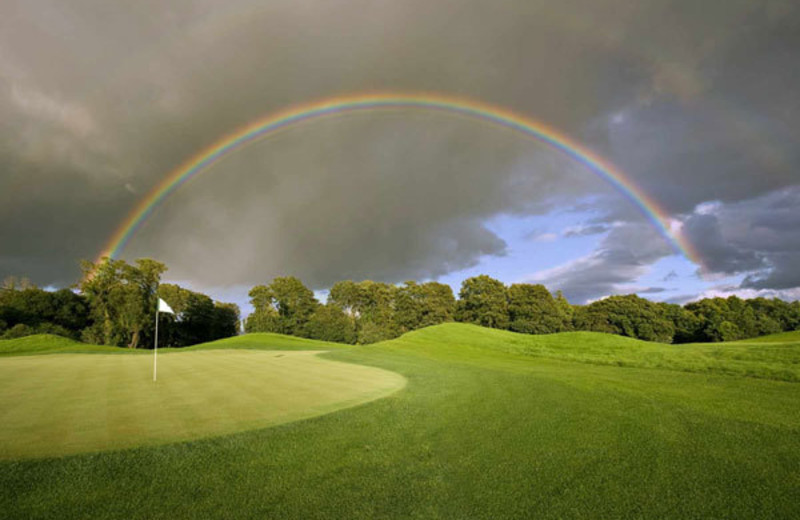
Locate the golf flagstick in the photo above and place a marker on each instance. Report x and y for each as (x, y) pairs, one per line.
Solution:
(155, 350)
(162, 306)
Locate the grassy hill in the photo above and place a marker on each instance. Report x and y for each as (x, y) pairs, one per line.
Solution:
(771, 357)
(489, 425)
(51, 344)
(268, 341)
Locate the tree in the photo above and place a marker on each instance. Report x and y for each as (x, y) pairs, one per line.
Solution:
(483, 301)
(687, 326)
(376, 312)
(226, 320)
(197, 319)
(422, 305)
(627, 315)
(330, 323)
(347, 296)
(54, 312)
(122, 300)
(371, 306)
(533, 310)
(284, 306)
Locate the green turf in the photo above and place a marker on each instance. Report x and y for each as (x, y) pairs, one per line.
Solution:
(776, 357)
(50, 344)
(65, 403)
(483, 429)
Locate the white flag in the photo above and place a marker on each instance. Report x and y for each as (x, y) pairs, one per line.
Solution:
(164, 307)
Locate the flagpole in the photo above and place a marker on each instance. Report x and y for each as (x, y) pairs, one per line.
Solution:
(155, 350)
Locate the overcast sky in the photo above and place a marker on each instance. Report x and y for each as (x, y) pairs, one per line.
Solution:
(698, 103)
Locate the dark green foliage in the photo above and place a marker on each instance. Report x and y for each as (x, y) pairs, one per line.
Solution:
(483, 301)
(628, 315)
(226, 320)
(331, 323)
(423, 305)
(197, 319)
(38, 311)
(533, 310)
(726, 319)
(686, 324)
(376, 312)
(371, 305)
(284, 306)
(122, 301)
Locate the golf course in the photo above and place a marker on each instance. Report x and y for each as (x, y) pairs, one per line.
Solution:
(449, 421)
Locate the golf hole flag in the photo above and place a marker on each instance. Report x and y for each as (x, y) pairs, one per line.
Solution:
(164, 307)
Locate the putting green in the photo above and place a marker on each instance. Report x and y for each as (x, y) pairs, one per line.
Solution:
(64, 404)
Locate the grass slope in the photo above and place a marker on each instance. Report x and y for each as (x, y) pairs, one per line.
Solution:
(481, 430)
(51, 344)
(775, 357)
(266, 341)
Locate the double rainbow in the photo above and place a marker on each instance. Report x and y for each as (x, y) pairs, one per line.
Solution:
(335, 106)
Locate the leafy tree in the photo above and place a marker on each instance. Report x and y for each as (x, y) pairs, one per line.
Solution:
(566, 310)
(284, 306)
(122, 300)
(347, 296)
(422, 305)
(627, 315)
(59, 312)
(533, 310)
(371, 305)
(483, 301)
(686, 324)
(197, 319)
(376, 312)
(330, 323)
(226, 320)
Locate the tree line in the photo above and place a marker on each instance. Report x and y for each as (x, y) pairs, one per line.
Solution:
(115, 304)
(368, 312)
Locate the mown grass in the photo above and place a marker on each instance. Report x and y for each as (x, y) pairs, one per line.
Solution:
(480, 431)
(264, 340)
(65, 404)
(773, 357)
(51, 344)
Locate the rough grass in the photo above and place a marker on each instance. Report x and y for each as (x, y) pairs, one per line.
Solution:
(772, 357)
(51, 344)
(481, 430)
(264, 340)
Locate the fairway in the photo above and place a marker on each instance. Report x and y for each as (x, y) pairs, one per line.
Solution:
(489, 424)
(71, 403)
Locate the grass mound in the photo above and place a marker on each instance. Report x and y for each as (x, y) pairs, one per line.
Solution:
(51, 344)
(267, 341)
(777, 357)
(489, 425)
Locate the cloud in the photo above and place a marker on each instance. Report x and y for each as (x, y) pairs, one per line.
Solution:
(587, 230)
(537, 235)
(725, 291)
(622, 257)
(758, 237)
(96, 114)
(670, 276)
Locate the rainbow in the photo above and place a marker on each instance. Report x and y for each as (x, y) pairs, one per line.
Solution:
(335, 106)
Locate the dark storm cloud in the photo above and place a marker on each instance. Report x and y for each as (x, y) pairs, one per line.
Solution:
(695, 102)
(719, 254)
(758, 237)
